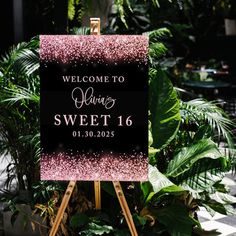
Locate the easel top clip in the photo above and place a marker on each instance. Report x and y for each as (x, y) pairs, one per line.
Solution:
(95, 26)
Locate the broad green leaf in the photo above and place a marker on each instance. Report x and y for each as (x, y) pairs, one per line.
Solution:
(95, 229)
(139, 220)
(194, 193)
(149, 197)
(220, 208)
(158, 185)
(223, 198)
(170, 190)
(209, 209)
(147, 189)
(203, 175)
(222, 185)
(202, 182)
(164, 108)
(185, 159)
(176, 219)
(203, 132)
(220, 202)
(157, 179)
(152, 152)
(150, 139)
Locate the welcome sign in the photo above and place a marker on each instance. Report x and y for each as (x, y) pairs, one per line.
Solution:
(94, 107)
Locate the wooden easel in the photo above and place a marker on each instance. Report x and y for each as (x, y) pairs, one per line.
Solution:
(95, 30)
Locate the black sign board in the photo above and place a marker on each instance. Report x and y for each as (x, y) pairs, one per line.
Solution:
(94, 107)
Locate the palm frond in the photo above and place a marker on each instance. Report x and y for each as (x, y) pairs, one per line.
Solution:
(26, 61)
(34, 141)
(22, 59)
(201, 111)
(80, 31)
(36, 144)
(19, 93)
(8, 58)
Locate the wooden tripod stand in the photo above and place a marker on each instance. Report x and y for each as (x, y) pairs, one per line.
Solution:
(95, 30)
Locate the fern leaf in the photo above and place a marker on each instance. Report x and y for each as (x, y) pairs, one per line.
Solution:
(159, 34)
(157, 50)
(71, 9)
(120, 7)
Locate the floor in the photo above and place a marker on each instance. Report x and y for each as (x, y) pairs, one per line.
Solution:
(219, 225)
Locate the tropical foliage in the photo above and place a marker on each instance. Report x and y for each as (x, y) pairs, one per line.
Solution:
(186, 165)
(19, 118)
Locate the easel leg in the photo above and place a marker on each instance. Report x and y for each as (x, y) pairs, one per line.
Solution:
(97, 190)
(125, 208)
(62, 208)
(95, 30)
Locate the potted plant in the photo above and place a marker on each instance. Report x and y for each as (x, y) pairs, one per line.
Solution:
(19, 130)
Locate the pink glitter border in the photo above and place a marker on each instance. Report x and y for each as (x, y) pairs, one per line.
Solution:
(103, 167)
(84, 49)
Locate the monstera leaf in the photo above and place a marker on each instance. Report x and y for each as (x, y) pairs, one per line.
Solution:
(164, 108)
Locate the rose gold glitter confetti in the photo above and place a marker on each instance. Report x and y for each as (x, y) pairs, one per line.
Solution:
(96, 166)
(84, 49)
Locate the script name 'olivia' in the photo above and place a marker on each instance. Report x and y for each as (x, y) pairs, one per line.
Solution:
(85, 98)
